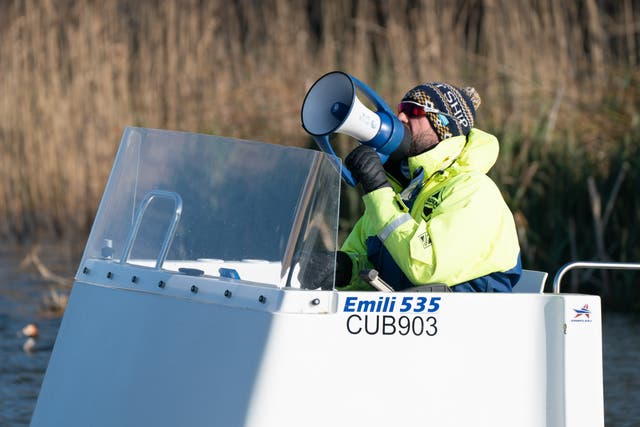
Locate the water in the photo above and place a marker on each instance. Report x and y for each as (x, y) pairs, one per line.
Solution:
(22, 293)
(621, 354)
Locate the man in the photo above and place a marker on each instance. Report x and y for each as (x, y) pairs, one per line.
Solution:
(434, 216)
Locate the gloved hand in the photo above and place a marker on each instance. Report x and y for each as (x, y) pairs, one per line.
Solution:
(318, 272)
(366, 167)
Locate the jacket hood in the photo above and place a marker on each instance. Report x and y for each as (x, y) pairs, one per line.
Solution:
(477, 152)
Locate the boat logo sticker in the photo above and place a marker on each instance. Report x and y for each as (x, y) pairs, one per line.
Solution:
(582, 314)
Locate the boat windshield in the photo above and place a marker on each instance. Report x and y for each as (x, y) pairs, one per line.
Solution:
(225, 207)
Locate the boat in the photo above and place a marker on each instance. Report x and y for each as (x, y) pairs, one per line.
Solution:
(191, 307)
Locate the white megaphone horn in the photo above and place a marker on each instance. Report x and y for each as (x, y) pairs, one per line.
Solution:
(331, 106)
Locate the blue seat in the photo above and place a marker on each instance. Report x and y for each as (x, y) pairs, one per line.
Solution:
(531, 282)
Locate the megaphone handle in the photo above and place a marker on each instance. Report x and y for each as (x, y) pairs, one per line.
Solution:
(323, 142)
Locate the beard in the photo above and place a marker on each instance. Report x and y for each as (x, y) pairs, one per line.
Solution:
(422, 142)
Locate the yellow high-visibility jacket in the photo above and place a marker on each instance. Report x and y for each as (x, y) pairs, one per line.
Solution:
(454, 229)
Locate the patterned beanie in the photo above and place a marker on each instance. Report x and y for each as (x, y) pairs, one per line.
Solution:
(458, 106)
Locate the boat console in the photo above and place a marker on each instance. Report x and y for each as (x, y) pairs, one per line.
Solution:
(189, 308)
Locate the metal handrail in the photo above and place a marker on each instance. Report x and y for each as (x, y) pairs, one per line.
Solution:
(591, 264)
(133, 233)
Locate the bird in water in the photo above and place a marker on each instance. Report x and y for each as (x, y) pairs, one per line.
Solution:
(31, 332)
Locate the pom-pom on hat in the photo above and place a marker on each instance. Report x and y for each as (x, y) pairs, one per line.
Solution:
(450, 110)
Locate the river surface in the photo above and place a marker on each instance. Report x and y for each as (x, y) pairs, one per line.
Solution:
(23, 293)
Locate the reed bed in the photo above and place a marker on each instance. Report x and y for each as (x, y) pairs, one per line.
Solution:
(558, 80)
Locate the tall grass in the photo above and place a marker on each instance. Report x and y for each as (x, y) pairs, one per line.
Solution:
(558, 80)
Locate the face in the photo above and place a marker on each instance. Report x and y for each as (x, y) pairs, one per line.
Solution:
(423, 137)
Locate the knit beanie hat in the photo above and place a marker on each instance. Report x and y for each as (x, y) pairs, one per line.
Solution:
(450, 110)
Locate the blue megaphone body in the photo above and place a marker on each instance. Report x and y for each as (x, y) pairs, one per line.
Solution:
(331, 106)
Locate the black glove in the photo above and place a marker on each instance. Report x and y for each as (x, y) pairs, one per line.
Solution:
(319, 274)
(366, 168)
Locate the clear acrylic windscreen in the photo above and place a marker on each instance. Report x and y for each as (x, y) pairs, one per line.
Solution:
(183, 200)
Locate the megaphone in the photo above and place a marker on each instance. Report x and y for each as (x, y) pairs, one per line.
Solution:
(331, 106)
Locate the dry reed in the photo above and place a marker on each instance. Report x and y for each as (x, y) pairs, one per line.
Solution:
(559, 83)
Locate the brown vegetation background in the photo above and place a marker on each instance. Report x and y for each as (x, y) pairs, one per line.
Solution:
(558, 80)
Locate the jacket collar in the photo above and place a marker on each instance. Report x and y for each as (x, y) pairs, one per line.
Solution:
(478, 151)
(438, 158)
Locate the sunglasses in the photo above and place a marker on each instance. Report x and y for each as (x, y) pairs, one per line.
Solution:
(412, 109)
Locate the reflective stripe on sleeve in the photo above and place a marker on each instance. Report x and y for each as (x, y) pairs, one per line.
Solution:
(384, 234)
